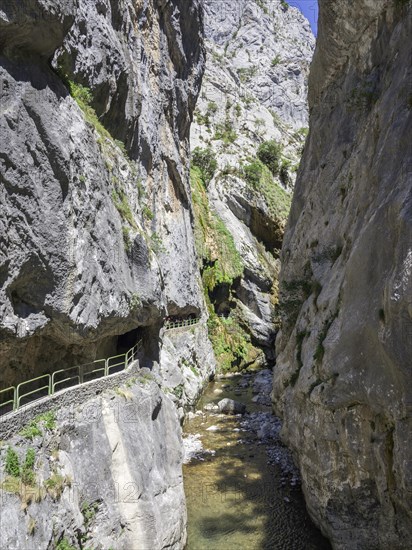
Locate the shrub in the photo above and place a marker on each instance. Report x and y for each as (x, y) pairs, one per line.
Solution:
(269, 153)
(64, 544)
(253, 173)
(284, 173)
(275, 61)
(12, 465)
(27, 472)
(205, 160)
(212, 107)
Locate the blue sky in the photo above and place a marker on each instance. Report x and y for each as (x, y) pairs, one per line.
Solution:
(309, 8)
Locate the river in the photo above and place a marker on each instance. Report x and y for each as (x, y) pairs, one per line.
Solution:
(243, 491)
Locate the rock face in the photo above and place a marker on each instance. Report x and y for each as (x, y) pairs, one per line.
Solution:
(254, 89)
(96, 233)
(342, 379)
(108, 475)
(96, 248)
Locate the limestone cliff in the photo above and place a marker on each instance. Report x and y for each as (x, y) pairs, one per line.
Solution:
(254, 90)
(96, 240)
(101, 473)
(96, 249)
(344, 354)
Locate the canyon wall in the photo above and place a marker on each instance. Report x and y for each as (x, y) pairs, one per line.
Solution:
(96, 249)
(344, 353)
(254, 90)
(96, 225)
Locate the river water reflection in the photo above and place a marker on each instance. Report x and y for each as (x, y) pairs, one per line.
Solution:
(235, 499)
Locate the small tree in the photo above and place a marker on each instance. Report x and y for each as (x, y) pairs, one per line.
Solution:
(205, 160)
(269, 153)
(12, 465)
(253, 173)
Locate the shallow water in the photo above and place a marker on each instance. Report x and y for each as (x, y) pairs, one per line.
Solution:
(235, 499)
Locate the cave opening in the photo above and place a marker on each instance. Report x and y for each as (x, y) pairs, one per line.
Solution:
(129, 339)
(149, 335)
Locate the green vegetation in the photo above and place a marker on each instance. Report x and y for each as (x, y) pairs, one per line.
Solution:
(122, 204)
(156, 244)
(12, 466)
(55, 485)
(231, 344)
(212, 107)
(126, 238)
(64, 544)
(135, 301)
(269, 153)
(225, 132)
(178, 391)
(276, 61)
(83, 98)
(222, 264)
(260, 179)
(147, 213)
(246, 74)
(32, 430)
(220, 252)
(253, 173)
(204, 119)
(27, 471)
(89, 512)
(205, 160)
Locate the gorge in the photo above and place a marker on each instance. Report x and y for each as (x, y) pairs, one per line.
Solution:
(151, 173)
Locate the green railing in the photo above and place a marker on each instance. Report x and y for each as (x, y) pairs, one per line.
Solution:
(13, 397)
(181, 324)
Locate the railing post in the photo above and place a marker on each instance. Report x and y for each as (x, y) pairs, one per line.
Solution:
(81, 374)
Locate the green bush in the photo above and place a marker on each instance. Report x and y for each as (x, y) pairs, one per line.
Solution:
(64, 544)
(225, 132)
(253, 173)
(284, 173)
(27, 472)
(12, 465)
(269, 153)
(205, 160)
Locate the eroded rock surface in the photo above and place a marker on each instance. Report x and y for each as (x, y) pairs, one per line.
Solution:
(254, 90)
(96, 224)
(342, 379)
(108, 474)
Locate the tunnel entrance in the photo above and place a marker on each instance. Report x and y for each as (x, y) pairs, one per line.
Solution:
(128, 340)
(149, 336)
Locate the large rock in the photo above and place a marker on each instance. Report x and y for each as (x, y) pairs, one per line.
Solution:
(94, 242)
(230, 406)
(342, 379)
(115, 465)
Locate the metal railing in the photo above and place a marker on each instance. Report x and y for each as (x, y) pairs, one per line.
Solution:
(180, 324)
(49, 384)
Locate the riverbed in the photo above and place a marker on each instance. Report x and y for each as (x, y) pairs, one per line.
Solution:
(242, 488)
